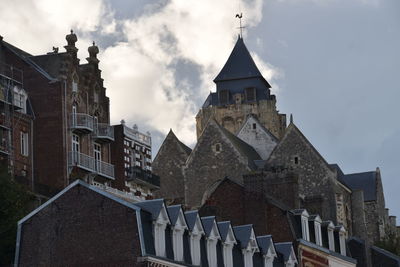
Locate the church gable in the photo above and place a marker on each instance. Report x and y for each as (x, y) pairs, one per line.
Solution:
(317, 182)
(257, 136)
(168, 164)
(217, 154)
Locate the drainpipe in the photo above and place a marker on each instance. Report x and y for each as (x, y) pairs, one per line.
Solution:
(65, 132)
(32, 163)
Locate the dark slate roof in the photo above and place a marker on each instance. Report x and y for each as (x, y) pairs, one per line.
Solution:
(242, 234)
(153, 206)
(50, 62)
(173, 213)
(264, 242)
(208, 223)
(240, 65)
(285, 249)
(245, 149)
(27, 58)
(387, 254)
(191, 217)
(185, 148)
(223, 228)
(365, 181)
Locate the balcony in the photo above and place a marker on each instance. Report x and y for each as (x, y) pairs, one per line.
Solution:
(89, 163)
(103, 133)
(104, 169)
(82, 123)
(142, 177)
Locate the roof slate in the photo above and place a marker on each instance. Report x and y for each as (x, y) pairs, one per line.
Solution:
(173, 212)
(264, 243)
(243, 233)
(365, 181)
(153, 206)
(191, 217)
(285, 249)
(208, 223)
(240, 65)
(223, 228)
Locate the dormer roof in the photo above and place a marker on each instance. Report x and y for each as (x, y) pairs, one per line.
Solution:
(245, 235)
(240, 65)
(226, 232)
(154, 207)
(287, 251)
(176, 216)
(193, 221)
(266, 244)
(210, 227)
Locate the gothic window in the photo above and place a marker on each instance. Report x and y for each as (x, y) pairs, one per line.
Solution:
(75, 83)
(250, 94)
(217, 148)
(224, 97)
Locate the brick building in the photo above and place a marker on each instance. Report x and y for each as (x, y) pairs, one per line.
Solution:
(16, 119)
(71, 132)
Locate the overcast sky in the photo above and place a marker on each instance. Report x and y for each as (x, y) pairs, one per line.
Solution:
(334, 64)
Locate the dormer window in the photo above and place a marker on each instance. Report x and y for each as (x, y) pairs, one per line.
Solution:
(227, 245)
(195, 235)
(251, 248)
(250, 94)
(224, 97)
(304, 227)
(315, 222)
(159, 232)
(212, 237)
(331, 238)
(179, 226)
(20, 98)
(75, 83)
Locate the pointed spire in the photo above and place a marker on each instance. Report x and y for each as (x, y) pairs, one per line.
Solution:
(240, 65)
(291, 118)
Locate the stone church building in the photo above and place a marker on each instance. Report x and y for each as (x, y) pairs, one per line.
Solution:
(242, 136)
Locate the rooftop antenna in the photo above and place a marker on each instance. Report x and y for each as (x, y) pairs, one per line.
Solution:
(240, 24)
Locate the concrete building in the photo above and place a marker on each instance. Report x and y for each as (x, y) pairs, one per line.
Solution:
(131, 156)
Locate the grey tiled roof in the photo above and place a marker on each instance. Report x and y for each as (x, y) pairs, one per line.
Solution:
(191, 217)
(239, 65)
(223, 228)
(153, 206)
(173, 212)
(245, 149)
(264, 243)
(365, 181)
(285, 249)
(242, 234)
(208, 223)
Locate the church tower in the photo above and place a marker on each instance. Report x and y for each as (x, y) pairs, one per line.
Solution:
(241, 91)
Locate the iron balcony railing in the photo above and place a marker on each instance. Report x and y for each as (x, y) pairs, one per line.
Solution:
(81, 160)
(104, 169)
(91, 164)
(138, 175)
(81, 121)
(104, 131)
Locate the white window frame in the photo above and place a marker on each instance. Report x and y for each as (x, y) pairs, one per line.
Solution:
(20, 98)
(177, 236)
(304, 227)
(331, 237)
(97, 155)
(159, 227)
(24, 143)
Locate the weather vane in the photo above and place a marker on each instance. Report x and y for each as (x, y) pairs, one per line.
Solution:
(240, 24)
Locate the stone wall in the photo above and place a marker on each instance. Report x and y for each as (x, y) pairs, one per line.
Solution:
(213, 158)
(168, 165)
(233, 116)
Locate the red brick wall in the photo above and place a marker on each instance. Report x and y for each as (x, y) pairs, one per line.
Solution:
(101, 232)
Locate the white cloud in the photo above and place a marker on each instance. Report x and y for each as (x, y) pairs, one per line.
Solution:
(146, 89)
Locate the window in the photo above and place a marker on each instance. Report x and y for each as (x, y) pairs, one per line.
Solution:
(304, 228)
(75, 148)
(254, 126)
(250, 94)
(224, 97)
(296, 160)
(24, 144)
(217, 147)
(97, 155)
(75, 83)
(20, 98)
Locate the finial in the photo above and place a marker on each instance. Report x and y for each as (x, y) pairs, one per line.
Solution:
(291, 118)
(72, 31)
(240, 24)
(94, 43)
